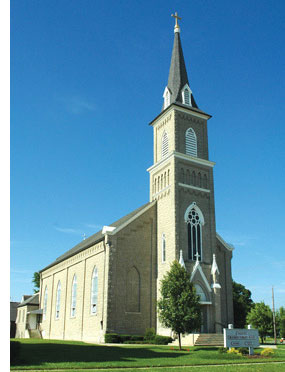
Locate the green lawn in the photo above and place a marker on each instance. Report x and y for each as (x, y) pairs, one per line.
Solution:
(43, 354)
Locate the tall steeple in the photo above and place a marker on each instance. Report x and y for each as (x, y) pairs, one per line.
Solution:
(178, 89)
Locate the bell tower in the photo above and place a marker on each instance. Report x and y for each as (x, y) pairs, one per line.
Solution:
(181, 181)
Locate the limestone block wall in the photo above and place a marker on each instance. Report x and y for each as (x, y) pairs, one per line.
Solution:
(83, 325)
(132, 276)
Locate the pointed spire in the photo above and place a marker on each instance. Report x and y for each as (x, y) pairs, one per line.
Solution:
(178, 79)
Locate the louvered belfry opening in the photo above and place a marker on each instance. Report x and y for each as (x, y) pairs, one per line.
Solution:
(191, 142)
(164, 149)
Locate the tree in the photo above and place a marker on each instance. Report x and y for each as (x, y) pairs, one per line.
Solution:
(179, 307)
(260, 317)
(36, 280)
(280, 321)
(242, 304)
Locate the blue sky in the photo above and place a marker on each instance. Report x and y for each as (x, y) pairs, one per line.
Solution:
(86, 79)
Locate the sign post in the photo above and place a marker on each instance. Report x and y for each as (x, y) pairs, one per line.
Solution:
(235, 337)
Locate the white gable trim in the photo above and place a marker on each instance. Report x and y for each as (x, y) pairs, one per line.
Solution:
(117, 229)
(225, 244)
(198, 267)
(193, 187)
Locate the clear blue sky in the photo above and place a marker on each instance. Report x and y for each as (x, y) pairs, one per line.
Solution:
(86, 79)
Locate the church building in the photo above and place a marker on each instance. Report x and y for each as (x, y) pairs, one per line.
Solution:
(110, 282)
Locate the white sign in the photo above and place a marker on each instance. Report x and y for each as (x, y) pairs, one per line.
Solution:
(241, 337)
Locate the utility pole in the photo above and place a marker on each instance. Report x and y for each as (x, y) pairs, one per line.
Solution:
(274, 320)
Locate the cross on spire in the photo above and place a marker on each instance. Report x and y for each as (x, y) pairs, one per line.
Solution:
(176, 20)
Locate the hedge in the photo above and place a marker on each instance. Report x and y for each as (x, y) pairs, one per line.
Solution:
(15, 348)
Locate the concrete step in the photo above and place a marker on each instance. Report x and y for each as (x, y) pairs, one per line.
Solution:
(210, 339)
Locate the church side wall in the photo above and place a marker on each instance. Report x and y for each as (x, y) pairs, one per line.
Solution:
(132, 276)
(224, 257)
(83, 325)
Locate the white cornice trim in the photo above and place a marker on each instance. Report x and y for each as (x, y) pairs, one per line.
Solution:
(193, 187)
(161, 161)
(193, 159)
(194, 113)
(161, 191)
(225, 244)
(205, 302)
(179, 155)
(117, 229)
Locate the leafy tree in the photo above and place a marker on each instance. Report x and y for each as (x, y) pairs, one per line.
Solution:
(242, 304)
(260, 317)
(280, 321)
(179, 307)
(36, 280)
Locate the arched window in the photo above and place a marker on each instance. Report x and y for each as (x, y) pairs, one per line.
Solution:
(45, 303)
(57, 305)
(194, 220)
(164, 145)
(188, 177)
(94, 291)
(182, 176)
(166, 96)
(133, 291)
(73, 296)
(193, 181)
(200, 293)
(199, 179)
(163, 248)
(191, 142)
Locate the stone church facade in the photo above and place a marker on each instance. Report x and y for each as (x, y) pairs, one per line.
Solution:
(110, 282)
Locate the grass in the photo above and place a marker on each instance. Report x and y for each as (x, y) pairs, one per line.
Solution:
(52, 354)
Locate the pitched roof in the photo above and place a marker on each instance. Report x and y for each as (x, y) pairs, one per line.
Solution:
(93, 239)
(178, 78)
(32, 300)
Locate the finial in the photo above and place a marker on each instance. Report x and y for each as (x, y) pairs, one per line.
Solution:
(83, 236)
(181, 261)
(176, 27)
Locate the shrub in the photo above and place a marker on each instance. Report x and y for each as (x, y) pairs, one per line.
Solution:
(267, 352)
(135, 342)
(112, 338)
(161, 340)
(137, 338)
(124, 338)
(243, 350)
(222, 350)
(15, 348)
(233, 351)
(149, 334)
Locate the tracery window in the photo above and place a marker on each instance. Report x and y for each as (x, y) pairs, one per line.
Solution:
(73, 296)
(194, 220)
(164, 145)
(57, 305)
(94, 291)
(45, 303)
(191, 142)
